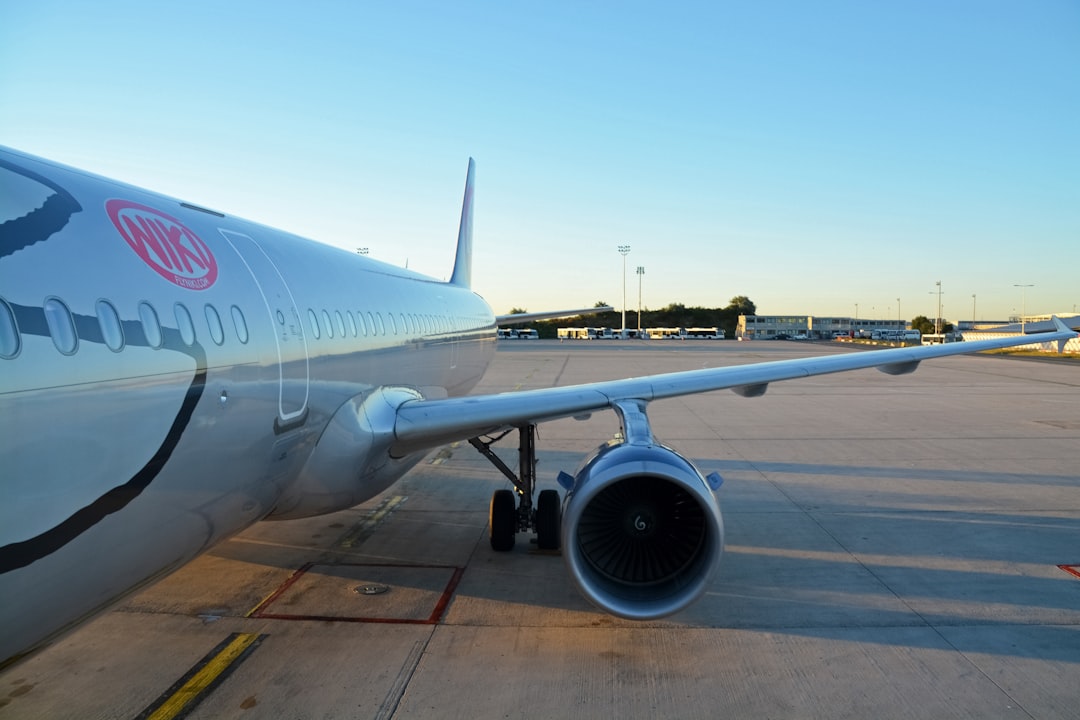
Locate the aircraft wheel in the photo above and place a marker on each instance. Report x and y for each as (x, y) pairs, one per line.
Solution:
(548, 520)
(502, 520)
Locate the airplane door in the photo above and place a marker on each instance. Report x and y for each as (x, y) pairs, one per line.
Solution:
(284, 318)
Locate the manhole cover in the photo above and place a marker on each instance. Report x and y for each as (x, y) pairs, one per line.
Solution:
(371, 589)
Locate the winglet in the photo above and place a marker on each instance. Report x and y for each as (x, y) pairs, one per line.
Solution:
(1061, 327)
(463, 260)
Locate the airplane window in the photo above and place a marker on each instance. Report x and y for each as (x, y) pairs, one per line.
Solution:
(405, 324)
(340, 323)
(241, 324)
(369, 322)
(352, 322)
(217, 333)
(329, 325)
(9, 332)
(150, 325)
(393, 324)
(112, 332)
(381, 328)
(61, 326)
(184, 324)
(313, 320)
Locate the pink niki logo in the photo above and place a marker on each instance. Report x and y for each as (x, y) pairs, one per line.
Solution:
(165, 244)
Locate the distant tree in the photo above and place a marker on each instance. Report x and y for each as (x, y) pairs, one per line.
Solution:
(600, 303)
(742, 304)
(923, 324)
(517, 311)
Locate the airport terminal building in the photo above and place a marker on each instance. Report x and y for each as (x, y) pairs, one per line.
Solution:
(772, 327)
(769, 327)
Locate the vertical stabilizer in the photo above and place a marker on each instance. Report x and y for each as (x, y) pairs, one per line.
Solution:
(463, 261)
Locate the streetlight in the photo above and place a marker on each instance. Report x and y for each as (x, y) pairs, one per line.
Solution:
(899, 315)
(937, 320)
(973, 315)
(624, 250)
(1023, 306)
(640, 273)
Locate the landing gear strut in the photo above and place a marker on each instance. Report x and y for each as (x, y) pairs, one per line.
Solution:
(506, 520)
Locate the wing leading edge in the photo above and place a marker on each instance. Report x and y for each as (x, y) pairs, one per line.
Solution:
(424, 424)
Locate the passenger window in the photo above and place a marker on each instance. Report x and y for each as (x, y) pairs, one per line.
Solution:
(241, 324)
(112, 331)
(150, 324)
(340, 323)
(393, 324)
(405, 324)
(184, 324)
(370, 323)
(379, 323)
(9, 332)
(329, 325)
(213, 320)
(313, 320)
(61, 326)
(352, 322)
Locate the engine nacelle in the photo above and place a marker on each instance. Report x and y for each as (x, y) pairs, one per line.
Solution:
(642, 532)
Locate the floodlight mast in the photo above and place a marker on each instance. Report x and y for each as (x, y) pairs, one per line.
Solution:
(624, 250)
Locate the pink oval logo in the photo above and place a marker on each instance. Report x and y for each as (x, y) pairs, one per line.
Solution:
(165, 244)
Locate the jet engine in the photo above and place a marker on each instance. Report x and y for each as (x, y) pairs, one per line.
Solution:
(642, 532)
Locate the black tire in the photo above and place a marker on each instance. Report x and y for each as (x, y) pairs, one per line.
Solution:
(502, 520)
(548, 520)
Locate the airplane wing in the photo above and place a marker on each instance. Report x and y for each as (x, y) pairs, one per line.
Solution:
(424, 424)
(549, 315)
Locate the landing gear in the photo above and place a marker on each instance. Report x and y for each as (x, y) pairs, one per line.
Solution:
(502, 520)
(506, 520)
(548, 520)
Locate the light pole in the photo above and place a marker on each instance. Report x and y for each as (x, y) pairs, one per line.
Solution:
(640, 274)
(899, 315)
(1023, 305)
(624, 250)
(973, 315)
(937, 320)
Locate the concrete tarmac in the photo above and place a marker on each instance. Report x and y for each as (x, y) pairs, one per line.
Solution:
(897, 547)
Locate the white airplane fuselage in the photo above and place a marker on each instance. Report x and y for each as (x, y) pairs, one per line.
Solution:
(169, 376)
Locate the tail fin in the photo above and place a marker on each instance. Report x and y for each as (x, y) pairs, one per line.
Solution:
(463, 261)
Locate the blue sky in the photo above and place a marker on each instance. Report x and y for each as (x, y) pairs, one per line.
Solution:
(813, 156)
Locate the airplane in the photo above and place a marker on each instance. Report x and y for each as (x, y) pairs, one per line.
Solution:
(171, 375)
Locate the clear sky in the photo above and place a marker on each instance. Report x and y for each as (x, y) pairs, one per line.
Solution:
(813, 156)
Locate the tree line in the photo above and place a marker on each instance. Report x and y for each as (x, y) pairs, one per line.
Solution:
(674, 315)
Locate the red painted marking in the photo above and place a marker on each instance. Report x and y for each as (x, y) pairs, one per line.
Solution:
(165, 244)
(1071, 569)
(436, 614)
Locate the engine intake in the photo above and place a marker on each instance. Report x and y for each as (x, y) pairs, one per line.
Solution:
(642, 532)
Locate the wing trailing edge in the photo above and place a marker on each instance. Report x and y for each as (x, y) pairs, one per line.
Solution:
(549, 315)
